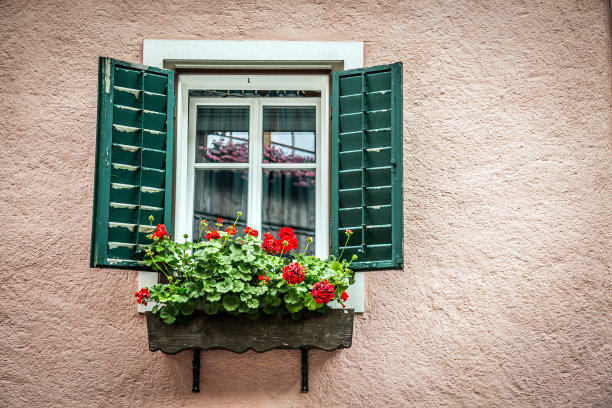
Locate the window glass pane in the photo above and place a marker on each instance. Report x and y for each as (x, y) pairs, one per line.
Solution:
(289, 134)
(289, 201)
(222, 134)
(219, 194)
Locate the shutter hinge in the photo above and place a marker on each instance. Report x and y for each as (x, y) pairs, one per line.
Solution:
(175, 112)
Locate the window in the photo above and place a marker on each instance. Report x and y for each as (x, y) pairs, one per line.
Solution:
(256, 144)
(357, 168)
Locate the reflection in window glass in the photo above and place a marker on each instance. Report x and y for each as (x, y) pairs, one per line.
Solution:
(222, 134)
(289, 134)
(219, 194)
(289, 201)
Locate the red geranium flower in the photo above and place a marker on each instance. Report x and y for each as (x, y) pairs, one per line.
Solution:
(213, 235)
(322, 291)
(286, 232)
(269, 244)
(286, 241)
(250, 231)
(293, 243)
(261, 277)
(142, 296)
(231, 230)
(160, 232)
(344, 296)
(294, 273)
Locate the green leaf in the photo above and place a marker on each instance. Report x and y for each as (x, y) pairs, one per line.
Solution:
(310, 303)
(168, 314)
(270, 310)
(168, 319)
(273, 300)
(211, 308)
(225, 286)
(253, 303)
(292, 297)
(294, 308)
(178, 298)
(210, 286)
(158, 287)
(231, 302)
(238, 286)
(213, 297)
(243, 276)
(191, 286)
(336, 266)
(203, 273)
(187, 308)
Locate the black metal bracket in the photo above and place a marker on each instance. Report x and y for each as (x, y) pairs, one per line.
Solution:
(196, 370)
(304, 369)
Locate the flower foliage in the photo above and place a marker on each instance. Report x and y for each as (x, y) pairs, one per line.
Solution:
(236, 274)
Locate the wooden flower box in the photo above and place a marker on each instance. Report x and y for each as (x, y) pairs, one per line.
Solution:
(329, 331)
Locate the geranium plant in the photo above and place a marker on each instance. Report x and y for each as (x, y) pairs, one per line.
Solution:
(221, 272)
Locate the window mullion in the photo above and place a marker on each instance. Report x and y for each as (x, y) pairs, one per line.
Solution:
(190, 155)
(249, 209)
(256, 194)
(321, 180)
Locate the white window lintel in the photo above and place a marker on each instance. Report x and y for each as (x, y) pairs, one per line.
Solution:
(273, 54)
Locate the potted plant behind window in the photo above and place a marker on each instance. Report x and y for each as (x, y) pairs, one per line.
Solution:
(238, 293)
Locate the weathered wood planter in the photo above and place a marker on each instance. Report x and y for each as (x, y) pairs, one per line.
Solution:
(329, 331)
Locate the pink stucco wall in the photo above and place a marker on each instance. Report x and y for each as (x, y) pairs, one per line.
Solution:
(505, 299)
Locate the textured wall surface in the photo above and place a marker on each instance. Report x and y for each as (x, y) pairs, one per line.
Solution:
(505, 299)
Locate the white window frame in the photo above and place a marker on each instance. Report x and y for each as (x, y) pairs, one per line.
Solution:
(299, 55)
(185, 143)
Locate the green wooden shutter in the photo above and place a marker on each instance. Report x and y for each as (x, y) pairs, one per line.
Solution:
(367, 166)
(133, 160)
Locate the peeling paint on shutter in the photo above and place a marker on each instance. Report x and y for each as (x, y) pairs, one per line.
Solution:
(133, 160)
(367, 166)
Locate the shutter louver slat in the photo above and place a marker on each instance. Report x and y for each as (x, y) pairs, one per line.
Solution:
(133, 162)
(366, 167)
